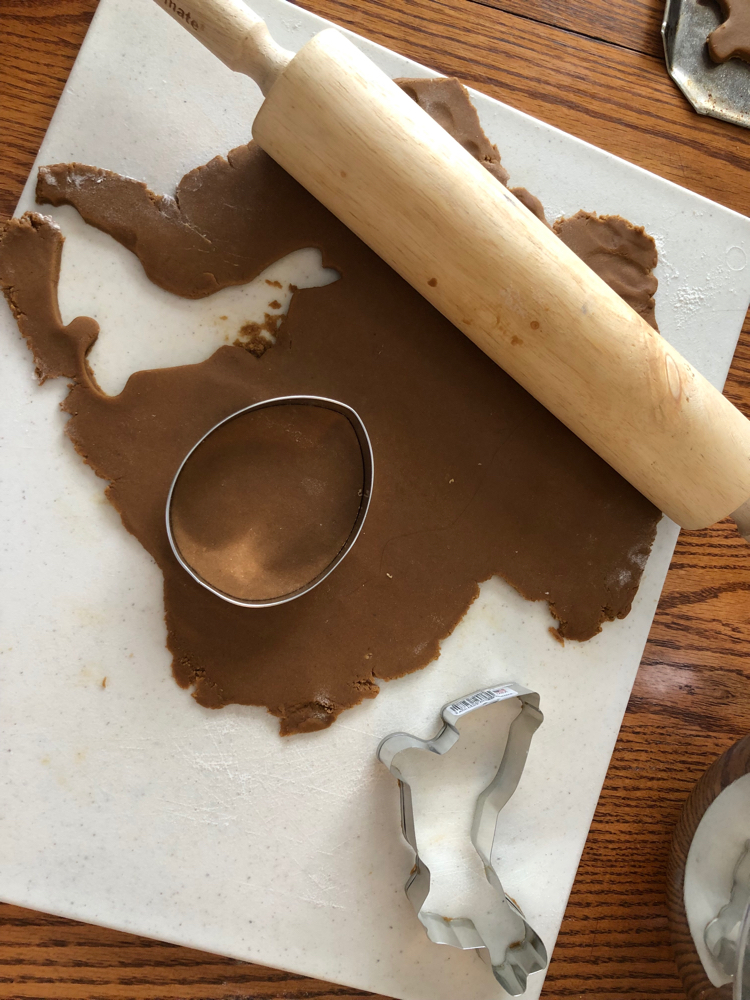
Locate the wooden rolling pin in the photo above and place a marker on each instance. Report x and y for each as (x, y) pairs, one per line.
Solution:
(362, 147)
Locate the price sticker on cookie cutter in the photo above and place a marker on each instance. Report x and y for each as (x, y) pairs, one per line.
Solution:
(525, 953)
(488, 696)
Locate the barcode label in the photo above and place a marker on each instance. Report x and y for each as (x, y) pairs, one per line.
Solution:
(486, 697)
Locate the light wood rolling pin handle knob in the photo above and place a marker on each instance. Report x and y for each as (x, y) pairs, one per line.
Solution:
(230, 30)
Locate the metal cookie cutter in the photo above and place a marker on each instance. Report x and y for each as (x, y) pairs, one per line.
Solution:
(720, 90)
(365, 448)
(526, 952)
(726, 936)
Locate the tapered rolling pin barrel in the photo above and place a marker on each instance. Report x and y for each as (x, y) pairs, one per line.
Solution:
(362, 147)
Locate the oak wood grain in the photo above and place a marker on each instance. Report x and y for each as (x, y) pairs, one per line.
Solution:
(38, 44)
(632, 24)
(581, 67)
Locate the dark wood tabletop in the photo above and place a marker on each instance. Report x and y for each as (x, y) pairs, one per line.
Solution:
(593, 68)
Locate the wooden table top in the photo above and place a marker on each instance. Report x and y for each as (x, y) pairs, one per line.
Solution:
(593, 68)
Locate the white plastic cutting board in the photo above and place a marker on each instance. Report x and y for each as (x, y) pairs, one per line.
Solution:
(131, 806)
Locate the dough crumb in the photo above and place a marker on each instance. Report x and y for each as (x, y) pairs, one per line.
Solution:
(256, 338)
(556, 635)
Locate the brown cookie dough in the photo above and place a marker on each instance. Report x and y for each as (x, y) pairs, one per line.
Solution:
(531, 202)
(473, 477)
(447, 101)
(30, 271)
(622, 254)
(731, 40)
(268, 500)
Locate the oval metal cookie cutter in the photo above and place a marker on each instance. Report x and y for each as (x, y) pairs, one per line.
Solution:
(525, 953)
(365, 448)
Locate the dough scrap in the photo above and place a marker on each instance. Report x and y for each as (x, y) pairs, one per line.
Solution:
(622, 254)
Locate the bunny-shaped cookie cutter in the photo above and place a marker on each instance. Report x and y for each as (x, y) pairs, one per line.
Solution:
(525, 953)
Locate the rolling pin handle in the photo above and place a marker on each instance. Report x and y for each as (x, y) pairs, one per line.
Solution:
(234, 34)
(741, 518)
